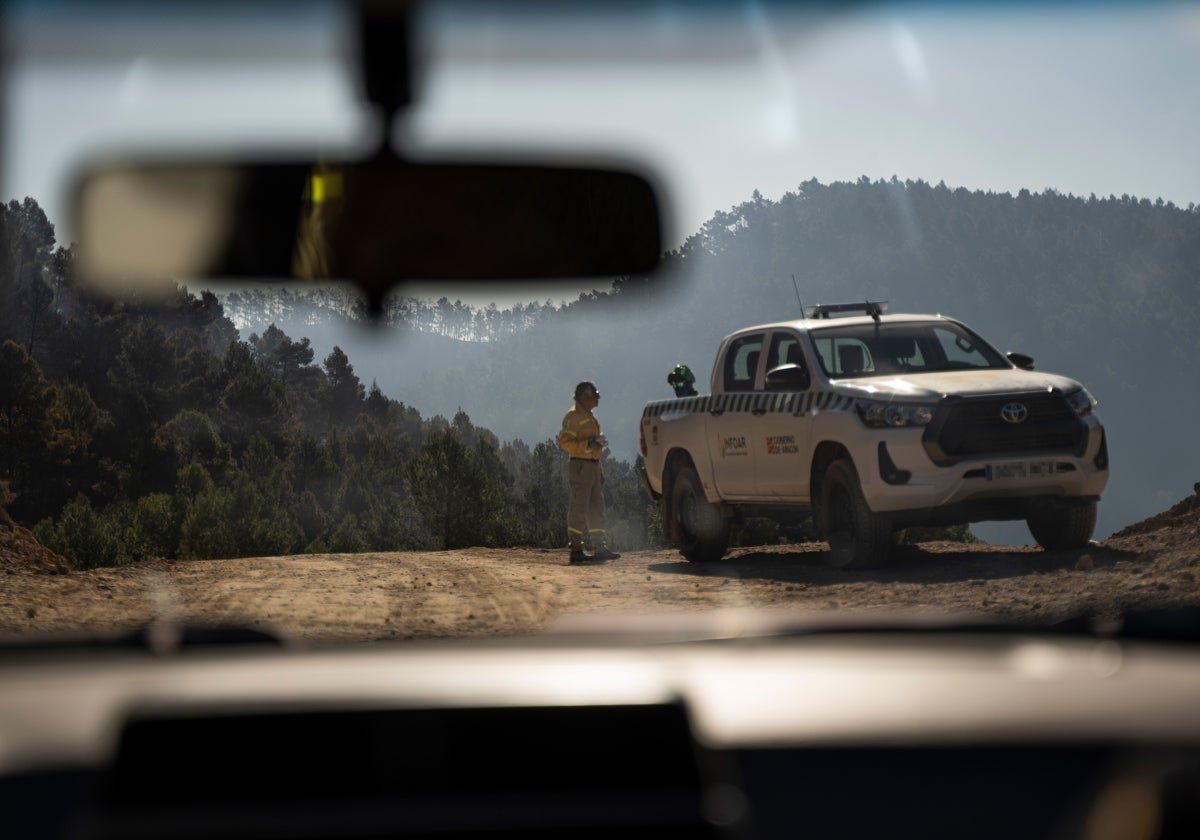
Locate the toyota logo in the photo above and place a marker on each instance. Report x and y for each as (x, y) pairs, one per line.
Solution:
(1014, 412)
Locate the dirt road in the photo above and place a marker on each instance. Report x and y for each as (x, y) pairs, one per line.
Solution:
(483, 592)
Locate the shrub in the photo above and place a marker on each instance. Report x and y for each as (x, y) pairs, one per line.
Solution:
(86, 538)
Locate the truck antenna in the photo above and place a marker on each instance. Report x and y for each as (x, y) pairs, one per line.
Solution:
(797, 288)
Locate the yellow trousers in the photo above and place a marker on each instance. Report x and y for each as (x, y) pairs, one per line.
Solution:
(585, 507)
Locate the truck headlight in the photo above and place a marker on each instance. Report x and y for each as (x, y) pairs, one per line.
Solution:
(881, 414)
(1081, 402)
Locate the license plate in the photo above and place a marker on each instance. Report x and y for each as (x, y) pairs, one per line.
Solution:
(1019, 469)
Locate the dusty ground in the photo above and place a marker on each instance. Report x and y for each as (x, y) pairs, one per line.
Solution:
(481, 592)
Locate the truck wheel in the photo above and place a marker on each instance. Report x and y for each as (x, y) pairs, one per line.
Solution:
(1060, 528)
(701, 533)
(858, 538)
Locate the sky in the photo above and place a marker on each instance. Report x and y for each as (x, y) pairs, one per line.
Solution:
(1082, 98)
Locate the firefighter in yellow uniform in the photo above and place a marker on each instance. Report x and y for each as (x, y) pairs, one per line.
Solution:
(581, 439)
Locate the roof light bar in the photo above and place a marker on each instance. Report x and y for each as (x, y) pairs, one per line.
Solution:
(874, 308)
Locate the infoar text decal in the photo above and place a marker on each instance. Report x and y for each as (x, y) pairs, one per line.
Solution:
(733, 446)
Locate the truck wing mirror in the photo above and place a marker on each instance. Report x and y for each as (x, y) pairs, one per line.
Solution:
(789, 377)
(1021, 360)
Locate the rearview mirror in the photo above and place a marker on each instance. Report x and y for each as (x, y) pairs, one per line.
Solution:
(376, 223)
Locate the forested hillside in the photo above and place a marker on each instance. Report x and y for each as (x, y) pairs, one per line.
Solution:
(131, 430)
(1100, 289)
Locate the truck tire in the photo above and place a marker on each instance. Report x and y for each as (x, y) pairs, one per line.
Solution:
(858, 538)
(700, 531)
(1059, 528)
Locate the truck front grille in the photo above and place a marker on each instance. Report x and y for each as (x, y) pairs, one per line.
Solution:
(975, 427)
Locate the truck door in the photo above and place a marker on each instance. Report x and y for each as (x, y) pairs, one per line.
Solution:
(732, 426)
(786, 429)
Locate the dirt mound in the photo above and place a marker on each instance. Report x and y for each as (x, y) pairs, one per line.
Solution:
(1183, 517)
(20, 552)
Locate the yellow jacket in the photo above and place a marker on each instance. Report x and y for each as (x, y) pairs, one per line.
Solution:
(578, 427)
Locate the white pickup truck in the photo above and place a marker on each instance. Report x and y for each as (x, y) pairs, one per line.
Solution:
(873, 423)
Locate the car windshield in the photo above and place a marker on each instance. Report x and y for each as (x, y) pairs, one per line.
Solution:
(276, 455)
(899, 348)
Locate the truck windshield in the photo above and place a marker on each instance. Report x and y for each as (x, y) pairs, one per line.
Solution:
(859, 350)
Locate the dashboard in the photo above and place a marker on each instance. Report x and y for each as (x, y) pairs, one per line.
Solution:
(845, 733)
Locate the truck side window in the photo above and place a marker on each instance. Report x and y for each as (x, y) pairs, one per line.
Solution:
(741, 363)
(785, 350)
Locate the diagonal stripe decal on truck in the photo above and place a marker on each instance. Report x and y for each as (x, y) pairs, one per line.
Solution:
(797, 404)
